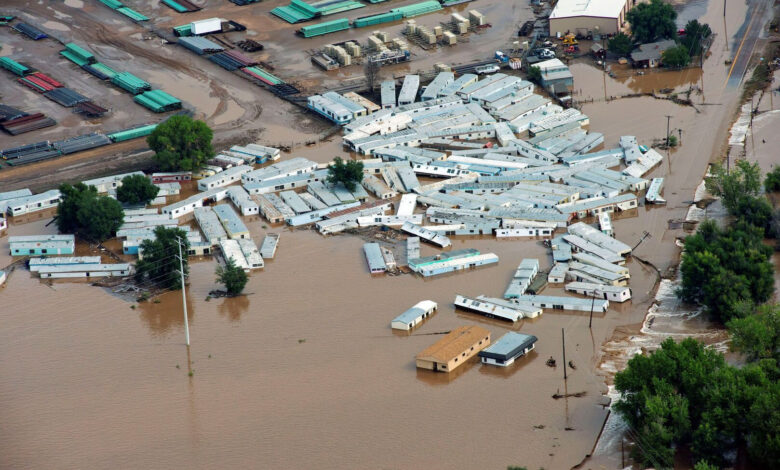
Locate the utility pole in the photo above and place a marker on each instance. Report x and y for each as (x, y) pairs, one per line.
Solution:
(592, 304)
(563, 343)
(679, 132)
(604, 75)
(622, 458)
(183, 295)
(645, 234)
(668, 121)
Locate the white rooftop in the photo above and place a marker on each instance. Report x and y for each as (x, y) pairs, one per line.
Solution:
(594, 8)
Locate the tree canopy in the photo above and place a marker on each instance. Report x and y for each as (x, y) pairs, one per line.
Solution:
(160, 262)
(652, 21)
(721, 268)
(620, 44)
(741, 194)
(371, 71)
(772, 180)
(232, 277)
(181, 144)
(136, 189)
(676, 57)
(83, 212)
(731, 185)
(534, 74)
(758, 336)
(349, 173)
(695, 34)
(684, 394)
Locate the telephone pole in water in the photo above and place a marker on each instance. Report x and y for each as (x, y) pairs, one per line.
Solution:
(563, 344)
(668, 120)
(183, 295)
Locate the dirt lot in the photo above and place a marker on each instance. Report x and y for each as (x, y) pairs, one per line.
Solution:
(237, 110)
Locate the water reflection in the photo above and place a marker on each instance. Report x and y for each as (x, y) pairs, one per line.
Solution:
(657, 79)
(234, 307)
(443, 378)
(509, 371)
(164, 317)
(590, 83)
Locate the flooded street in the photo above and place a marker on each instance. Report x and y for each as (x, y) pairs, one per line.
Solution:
(304, 371)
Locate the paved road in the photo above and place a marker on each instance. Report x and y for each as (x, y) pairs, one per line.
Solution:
(758, 13)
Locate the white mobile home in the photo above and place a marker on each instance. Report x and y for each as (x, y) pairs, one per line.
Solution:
(107, 183)
(84, 270)
(241, 199)
(408, 93)
(599, 291)
(34, 203)
(388, 94)
(414, 316)
(223, 178)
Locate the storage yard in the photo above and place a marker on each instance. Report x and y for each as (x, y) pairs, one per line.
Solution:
(518, 217)
(226, 102)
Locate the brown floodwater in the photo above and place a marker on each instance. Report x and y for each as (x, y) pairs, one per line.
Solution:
(304, 370)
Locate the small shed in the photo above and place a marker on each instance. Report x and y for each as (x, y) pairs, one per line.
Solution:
(414, 316)
(598, 51)
(508, 348)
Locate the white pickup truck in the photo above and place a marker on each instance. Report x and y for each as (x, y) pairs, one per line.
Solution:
(486, 69)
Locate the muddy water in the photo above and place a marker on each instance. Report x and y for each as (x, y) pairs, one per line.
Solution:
(762, 139)
(303, 371)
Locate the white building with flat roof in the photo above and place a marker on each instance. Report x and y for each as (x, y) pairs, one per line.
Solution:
(584, 17)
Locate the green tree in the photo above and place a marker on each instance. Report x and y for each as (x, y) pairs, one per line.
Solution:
(695, 34)
(159, 264)
(723, 268)
(232, 277)
(676, 57)
(754, 210)
(731, 185)
(181, 144)
(772, 180)
(774, 225)
(652, 21)
(349, 173)
(534, 74)
(763, 430)
(90, 216)
(136, 189)
(757, 336)
(620, 44)
(704, 465)
(686, 395)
